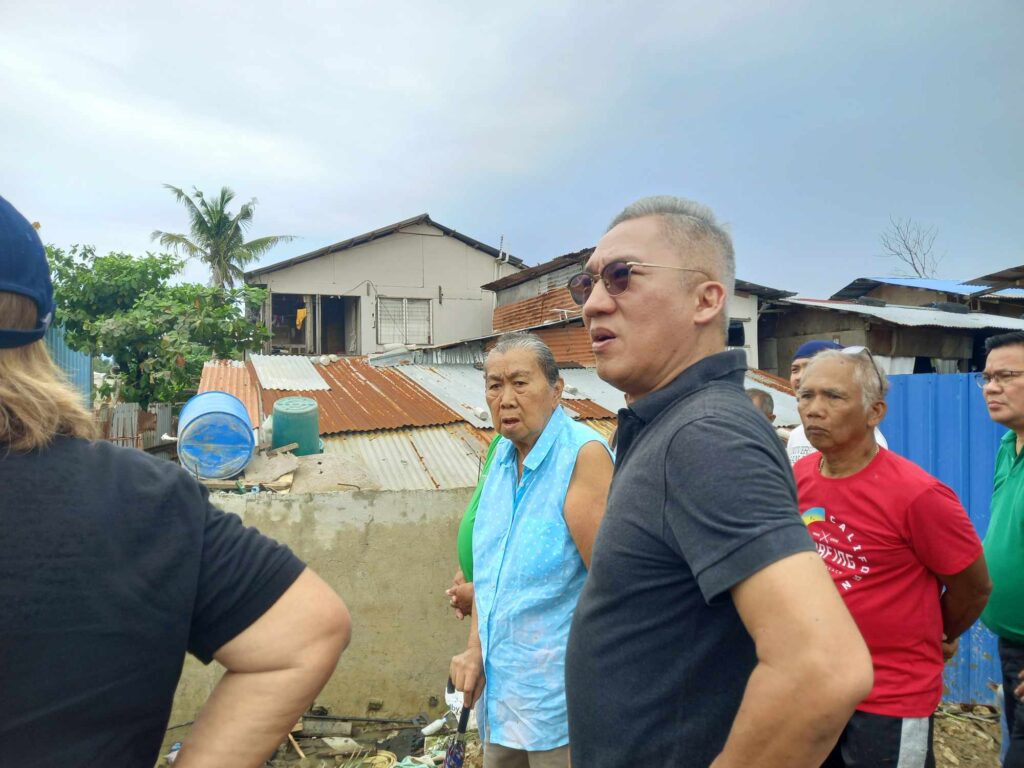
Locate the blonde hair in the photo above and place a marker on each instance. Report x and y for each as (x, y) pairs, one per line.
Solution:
(36, 402)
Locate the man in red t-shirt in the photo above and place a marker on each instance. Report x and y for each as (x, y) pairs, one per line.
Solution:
(902, 553)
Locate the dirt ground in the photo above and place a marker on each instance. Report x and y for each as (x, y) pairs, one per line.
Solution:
(966, 737)
(963, 737)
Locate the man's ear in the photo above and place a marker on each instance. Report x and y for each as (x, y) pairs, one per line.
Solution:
(710, 298)
(877, 412)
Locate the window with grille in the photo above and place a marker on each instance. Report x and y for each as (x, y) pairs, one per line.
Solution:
(403, 321)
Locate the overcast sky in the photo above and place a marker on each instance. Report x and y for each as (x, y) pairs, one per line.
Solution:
(804, 125)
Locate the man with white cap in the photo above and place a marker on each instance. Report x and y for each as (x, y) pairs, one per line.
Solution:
(797, 445)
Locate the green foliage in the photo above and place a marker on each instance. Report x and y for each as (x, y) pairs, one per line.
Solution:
(159, 335)
(89, 289)
(217, 236)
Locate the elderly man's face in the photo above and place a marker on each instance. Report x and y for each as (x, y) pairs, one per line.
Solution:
(831, 405)
(1005, 400)
(642, 338)
(520, 398)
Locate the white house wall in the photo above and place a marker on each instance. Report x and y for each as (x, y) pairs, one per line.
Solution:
(411, 264)
(743, 307)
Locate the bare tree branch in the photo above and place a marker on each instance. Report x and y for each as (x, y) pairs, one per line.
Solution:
(911, 244)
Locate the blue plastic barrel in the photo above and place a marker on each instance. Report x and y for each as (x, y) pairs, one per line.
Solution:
(215, 437)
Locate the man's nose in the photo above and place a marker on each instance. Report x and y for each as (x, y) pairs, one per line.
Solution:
(599, 301)
(812, 407)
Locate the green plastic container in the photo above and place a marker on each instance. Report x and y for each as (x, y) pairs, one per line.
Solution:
(297, 420)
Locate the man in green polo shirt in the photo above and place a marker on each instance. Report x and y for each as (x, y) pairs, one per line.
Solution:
(1002, 382)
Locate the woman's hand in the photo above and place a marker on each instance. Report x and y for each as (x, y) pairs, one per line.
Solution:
(467, 673)
(460, 596)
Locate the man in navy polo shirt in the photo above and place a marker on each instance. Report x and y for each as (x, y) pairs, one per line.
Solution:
(709, 631)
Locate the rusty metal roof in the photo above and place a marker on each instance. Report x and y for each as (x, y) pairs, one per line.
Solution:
(232, 376)
(587, 409)
(287, 372)
(362, 398)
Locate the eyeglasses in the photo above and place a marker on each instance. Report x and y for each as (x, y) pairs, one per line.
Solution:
(615, 276)
(1002, 378)
(858, 350)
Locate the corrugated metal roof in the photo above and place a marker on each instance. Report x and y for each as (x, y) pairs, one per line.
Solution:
(915, 316)
(291, 372)
(588, 409)
(362, 398)
(390, 229)
(233, 377)
(557, 263)
(588, 385)
(460, 387)
(864, 284)
(569, 344)
(605, 427)
(1008, 275)
(417, 458)
(553, 305)
(786, 414)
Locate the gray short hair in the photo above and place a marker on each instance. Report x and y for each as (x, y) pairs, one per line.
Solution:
(687, 222)
(508, 342)
(874, 384)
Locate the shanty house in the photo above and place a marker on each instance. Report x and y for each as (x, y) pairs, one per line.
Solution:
(974, 296)
(903, 338)
(416, 282)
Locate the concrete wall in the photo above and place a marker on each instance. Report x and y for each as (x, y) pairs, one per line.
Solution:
(390, 555)
(414, 263)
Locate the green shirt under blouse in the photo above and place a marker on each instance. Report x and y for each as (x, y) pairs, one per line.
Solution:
(466, 526)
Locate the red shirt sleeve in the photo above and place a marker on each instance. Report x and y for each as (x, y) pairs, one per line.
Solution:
(940, 532)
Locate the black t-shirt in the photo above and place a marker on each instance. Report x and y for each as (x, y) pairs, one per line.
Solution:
(702, 498)
(113, 564)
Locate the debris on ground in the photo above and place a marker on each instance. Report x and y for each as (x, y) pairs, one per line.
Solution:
(966, 736)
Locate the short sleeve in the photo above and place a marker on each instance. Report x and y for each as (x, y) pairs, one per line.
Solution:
(730, 502)
(940, 532)
(242, 573)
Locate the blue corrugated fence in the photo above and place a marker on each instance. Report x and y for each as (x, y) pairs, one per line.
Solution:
(77, 366)
(940, 422)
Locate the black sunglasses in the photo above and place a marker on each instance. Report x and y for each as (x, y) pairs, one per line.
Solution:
(615, 276)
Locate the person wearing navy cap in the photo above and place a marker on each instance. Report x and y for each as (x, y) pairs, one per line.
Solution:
(797, 445)
(114, 564)
(23, 270)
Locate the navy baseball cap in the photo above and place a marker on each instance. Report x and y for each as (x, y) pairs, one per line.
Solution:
(24, 270)
(811, 348)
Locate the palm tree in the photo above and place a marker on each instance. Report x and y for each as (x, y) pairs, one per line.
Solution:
(217, 237)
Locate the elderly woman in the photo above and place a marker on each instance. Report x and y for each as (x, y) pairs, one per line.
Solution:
(539, 513)
(114, 564)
